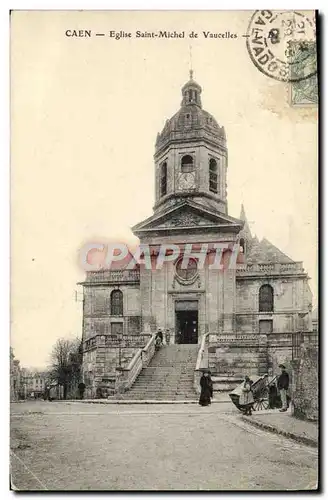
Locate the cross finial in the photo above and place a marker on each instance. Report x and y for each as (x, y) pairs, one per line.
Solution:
(191, 72)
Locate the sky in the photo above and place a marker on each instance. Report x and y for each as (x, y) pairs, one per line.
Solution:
(85, 113)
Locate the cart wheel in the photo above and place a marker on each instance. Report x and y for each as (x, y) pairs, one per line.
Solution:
(261, 404)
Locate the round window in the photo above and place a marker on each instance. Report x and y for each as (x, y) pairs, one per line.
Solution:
(186, 272)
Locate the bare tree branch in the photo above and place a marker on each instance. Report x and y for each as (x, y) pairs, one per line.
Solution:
(66, 361)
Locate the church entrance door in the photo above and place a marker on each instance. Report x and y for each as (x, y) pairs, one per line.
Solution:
(186, 322)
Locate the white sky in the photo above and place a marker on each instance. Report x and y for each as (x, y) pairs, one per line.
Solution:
(85, 115)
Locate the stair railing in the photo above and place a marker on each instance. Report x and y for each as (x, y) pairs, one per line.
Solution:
(127, 376)
(148, 351)
(201, 362)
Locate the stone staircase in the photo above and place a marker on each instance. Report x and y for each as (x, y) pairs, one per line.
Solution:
(169, 376)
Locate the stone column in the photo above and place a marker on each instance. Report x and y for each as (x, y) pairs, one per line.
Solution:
(229, 301)
(145, 298)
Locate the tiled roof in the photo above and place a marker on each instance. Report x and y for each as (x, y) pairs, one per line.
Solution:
(265, 251)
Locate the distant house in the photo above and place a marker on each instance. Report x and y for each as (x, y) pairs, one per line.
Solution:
(15, 374)
(32, 383)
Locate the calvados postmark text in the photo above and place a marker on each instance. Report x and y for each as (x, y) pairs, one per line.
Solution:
(275, 41)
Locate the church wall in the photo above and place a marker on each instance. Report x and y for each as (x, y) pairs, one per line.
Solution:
(226, 306)
(206, 236)
(215, 292)
(288, 301)
(147, 317)
(279, 351)
(163, 290)
(213, 298)
(238, 361)
(101, 356)
(99, 369)
(159, 297)
(159, 289)
(132, 301)
(97, 312)
(229, 300)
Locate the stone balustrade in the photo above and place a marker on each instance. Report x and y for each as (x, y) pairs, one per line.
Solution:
(148, 352)
(269, 268)
(125, 377)
(110, 340)
(232, 355)
(106, 276)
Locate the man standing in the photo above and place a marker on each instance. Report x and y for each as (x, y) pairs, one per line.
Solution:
(47, 393)
(159, 335)
(283, 384)
(81, 388)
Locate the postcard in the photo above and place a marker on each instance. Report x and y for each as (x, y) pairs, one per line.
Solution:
(164, 247)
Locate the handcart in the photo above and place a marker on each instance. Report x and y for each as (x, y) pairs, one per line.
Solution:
(264, 391)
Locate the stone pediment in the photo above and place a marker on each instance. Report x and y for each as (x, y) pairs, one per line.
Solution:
(184, 219)
(187, 215)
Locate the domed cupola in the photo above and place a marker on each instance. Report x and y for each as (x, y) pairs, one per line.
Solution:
(191, 155)
(191, 93)
(191, 121)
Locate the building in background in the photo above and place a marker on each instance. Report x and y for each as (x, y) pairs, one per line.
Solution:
(15, 376)
(32, 383)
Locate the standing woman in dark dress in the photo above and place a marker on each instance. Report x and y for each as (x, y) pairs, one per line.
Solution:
(206, 386)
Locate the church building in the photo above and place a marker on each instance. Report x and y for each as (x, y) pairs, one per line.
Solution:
(266, 294)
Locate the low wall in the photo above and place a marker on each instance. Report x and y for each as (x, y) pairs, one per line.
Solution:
(279, 352)
(232, 356)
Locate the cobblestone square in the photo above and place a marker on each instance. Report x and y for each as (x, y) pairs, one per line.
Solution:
(75, 446)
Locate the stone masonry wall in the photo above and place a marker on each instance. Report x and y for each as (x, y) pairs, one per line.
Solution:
(102, 354)
(288, 301)
(97, 313)
(238, 357)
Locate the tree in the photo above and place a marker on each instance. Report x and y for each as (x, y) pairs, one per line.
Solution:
(66, 360)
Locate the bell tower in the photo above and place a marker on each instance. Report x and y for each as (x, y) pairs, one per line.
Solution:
(191, 156)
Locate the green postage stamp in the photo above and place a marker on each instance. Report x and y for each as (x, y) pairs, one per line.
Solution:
(303, 87)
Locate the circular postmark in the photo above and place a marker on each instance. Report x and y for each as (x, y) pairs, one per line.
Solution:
(282, 44)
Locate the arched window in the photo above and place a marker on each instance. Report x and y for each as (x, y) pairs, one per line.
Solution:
(213, 175)
(242, 247)
(187, 163)
(116, 303)
(163, 185)
(266, 298)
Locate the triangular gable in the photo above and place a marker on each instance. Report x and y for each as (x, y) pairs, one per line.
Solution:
(264, 251)
(186, 215)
